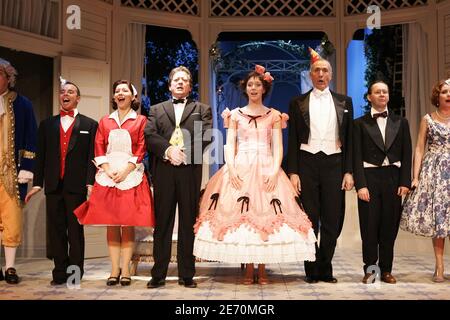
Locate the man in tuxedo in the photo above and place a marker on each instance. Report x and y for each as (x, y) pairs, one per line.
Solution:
(382, 168)
(65, 149)
(320, 162)
(17, 152)
(176, 134)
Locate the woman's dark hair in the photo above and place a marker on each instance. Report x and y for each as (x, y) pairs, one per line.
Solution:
(135, 104)
(266, 84)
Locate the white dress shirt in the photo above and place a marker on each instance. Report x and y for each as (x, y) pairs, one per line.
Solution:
(179, 108)
(323, 134)
(67, 121)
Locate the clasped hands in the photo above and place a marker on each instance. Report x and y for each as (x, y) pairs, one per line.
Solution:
(176, 155)
(118, 175)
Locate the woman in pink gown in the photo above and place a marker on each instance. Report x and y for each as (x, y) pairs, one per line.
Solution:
(121, 197)
(248, 212)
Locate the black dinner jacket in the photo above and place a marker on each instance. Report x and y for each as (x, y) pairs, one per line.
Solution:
(79, 168)
(299, 129)
(369, 146)
(195, 122)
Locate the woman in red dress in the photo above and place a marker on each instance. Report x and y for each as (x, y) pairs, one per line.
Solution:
(121, 197)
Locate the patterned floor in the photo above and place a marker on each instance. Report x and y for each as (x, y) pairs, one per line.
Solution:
(219, 281)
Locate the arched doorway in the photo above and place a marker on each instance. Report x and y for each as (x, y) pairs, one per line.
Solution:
(285, 55)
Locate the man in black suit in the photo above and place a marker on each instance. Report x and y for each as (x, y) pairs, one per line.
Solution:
(65, 149)
(176, 134)
(320, 162)
(382, 168)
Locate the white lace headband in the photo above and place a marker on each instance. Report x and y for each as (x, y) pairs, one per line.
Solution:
(134, 90)
(447, 82)
(62, 81)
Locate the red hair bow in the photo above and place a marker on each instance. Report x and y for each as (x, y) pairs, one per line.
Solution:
(261, 70)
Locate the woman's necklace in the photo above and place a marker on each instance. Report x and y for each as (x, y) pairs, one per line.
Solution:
(442, 117)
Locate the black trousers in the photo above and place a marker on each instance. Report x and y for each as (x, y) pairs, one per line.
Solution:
(321, 180)
(172, 185)
(379, 218)
(64, 234)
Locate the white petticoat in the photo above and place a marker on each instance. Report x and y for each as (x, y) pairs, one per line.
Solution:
(245, 246)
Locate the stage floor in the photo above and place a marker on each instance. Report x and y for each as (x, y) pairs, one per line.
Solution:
(220, 281)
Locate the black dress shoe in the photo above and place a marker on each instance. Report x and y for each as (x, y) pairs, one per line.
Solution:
(311, 279)
(112, 281)
(57, 282)
(155, 283)
(329, 279)
(187, 282)
(1, 275)
(125, 281)
(11, 276)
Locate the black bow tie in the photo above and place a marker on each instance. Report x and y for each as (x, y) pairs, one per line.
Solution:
(175, 101)
(381, 114)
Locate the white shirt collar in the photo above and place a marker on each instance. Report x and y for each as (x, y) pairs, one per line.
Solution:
(75, 112)
(319, 93)
(373, 111)
(130, 115)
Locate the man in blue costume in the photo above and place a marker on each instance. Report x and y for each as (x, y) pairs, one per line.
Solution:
(17, 151)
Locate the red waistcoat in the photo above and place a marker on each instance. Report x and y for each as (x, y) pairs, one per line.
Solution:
(64, 138)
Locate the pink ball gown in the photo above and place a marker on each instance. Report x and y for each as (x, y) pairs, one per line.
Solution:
(252, 225)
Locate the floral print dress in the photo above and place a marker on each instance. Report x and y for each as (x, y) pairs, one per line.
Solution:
(426, 210)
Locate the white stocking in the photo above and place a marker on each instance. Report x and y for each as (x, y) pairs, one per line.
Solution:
(10, 257)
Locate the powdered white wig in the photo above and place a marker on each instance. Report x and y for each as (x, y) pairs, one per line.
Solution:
(10, 71)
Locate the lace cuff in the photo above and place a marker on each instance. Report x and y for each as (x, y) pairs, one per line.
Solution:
(100, 160)
(24, 176)
(133, 160)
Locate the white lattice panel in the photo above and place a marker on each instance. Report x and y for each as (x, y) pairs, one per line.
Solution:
(190, 7)
(360, 6)
(270, 65)
(272, 8)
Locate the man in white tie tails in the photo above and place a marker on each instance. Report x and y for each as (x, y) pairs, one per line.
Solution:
(17, 152)
(320, 162)
(382, 167)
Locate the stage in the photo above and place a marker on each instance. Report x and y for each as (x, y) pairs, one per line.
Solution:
(219, 281)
